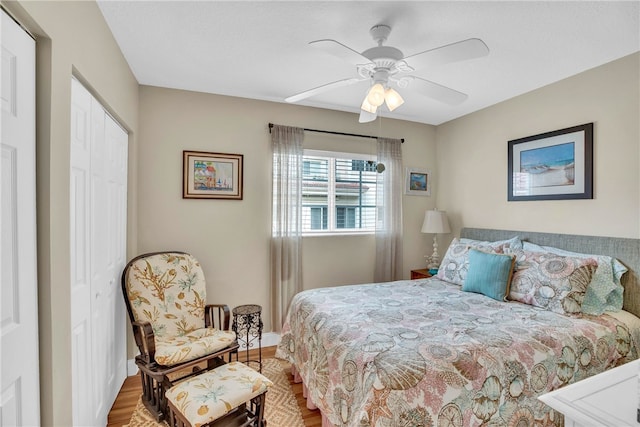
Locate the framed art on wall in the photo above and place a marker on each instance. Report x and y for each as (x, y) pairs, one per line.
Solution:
(555, 165)
(211, 175)
(418, 182)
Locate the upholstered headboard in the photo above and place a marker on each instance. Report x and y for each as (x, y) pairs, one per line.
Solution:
(626, 251)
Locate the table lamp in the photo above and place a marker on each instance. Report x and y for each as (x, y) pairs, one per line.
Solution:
(435, 222)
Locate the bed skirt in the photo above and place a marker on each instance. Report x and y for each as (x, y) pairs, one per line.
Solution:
(310, 405)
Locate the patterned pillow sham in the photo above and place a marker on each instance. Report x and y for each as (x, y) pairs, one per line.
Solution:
(556, 283)
(605, 291)
(455, 264)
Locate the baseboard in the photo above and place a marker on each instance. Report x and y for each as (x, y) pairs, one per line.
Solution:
(268, 339)
(132, 368)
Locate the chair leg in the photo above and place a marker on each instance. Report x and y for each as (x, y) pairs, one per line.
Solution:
(257, 407)
(153, 396)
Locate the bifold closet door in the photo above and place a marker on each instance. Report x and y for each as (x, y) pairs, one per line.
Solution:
(98, 251)
(20, 381)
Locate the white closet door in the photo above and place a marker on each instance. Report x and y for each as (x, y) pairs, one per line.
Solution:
(118, 141)
(108, 253)
(19, 395)
(98, 235)
(80, 222)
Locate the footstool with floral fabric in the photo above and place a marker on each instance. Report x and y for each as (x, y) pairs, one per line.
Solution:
(230, 395)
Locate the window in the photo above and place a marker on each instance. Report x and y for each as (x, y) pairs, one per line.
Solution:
(338, 193)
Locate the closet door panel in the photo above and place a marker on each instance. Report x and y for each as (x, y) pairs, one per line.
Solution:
(103, 257)
(80, 227)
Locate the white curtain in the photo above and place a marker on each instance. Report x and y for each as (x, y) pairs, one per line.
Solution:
(286, 235)
(389, 212)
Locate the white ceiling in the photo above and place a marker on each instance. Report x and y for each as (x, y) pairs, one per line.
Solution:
(260, 50)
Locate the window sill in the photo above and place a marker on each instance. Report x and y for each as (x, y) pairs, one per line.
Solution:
(340, 233)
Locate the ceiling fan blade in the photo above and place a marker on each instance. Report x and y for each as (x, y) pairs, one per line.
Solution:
(366, 116)
(341, 51)
(323, 88)
(459, 51)
(436, 91)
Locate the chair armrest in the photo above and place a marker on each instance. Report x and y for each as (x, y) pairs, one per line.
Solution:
(145, 340)
(217, 316)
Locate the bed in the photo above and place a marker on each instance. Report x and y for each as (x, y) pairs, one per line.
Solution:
(424, 352)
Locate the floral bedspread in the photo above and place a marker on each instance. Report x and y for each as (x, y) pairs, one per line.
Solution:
(424, 353)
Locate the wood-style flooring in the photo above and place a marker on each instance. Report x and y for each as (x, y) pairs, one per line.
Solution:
(131, 390)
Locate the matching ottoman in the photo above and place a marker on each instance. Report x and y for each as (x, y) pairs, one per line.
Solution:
(231, 395)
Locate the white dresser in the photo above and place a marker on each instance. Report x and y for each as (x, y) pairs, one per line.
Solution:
(606, 399)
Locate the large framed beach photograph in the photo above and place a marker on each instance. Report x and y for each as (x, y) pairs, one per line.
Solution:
(211, 175)
(555, 165)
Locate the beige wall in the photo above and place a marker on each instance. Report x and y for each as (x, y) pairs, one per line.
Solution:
(472, 156)
(231, 238)
(72, 38)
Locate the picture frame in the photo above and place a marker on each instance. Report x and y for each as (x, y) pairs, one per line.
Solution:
(212, 175)
(418, 182)
(555, 165)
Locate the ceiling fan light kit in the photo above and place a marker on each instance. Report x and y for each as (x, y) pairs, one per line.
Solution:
(375, 96)
(392, 99)
(366, 106)
(382, 65)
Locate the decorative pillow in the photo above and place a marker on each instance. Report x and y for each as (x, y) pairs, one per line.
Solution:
(489, 274)
(550, 281)
(605, 291)
(509, 246)
(455, 263)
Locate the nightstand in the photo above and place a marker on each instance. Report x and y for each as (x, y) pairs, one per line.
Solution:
(607, 399)
(422, 273)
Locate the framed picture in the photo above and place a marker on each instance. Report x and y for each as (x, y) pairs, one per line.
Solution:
(555, 165)
(418, 182)
(211, 175)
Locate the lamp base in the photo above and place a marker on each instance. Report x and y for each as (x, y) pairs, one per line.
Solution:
(434, 260)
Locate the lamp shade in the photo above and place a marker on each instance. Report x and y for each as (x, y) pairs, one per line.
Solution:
(435, 222)
(366, 106)
(376, 95)
(393, 99)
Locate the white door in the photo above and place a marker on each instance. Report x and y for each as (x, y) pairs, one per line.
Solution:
(107, 252)
(19, 398)
(81, 389)
(98, 252)
(118, 142)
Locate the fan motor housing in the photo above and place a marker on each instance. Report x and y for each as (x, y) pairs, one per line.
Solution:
(383, 56)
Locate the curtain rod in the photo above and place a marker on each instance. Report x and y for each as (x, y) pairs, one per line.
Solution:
(336, 133)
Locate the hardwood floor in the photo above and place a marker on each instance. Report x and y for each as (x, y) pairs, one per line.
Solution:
(131, 390)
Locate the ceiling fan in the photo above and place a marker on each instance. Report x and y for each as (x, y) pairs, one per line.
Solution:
(386, 65)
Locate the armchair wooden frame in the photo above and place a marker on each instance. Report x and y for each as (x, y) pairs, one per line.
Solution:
(156, 378)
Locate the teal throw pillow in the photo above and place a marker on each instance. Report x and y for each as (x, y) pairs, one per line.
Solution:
(489, 274)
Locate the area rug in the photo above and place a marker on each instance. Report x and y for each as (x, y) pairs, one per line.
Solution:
(281, 409)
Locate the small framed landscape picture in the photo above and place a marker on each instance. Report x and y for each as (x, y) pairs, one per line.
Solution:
(211, 175)
(418, 182)
(552, 166)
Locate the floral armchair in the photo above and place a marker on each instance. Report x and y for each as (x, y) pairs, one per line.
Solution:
(177, 333)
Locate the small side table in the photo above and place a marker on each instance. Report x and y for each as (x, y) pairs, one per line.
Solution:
(422, 273)
(247, 325)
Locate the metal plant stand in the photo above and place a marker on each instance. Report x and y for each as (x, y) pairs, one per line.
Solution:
(247, 324)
